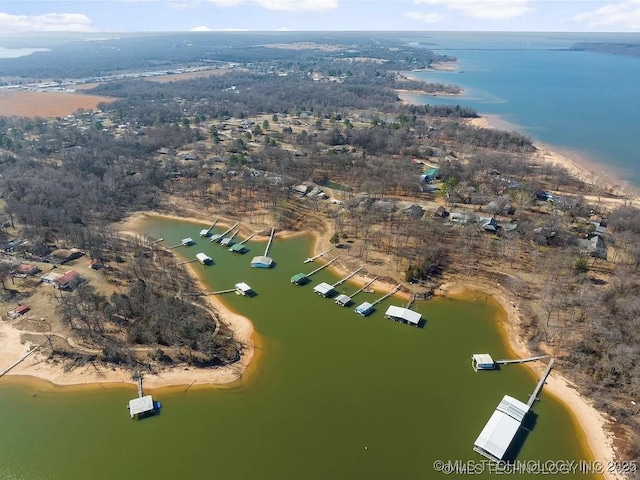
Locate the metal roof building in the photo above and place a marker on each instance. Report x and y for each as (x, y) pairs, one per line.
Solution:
(299, 279)
(323, 289)
(141, 405)
(400, 314)
(482, 361)
(204, 259)
(187, 241)
(364, 309)
(262, 261)
(499, 432)
(343, 300)
(238, 248)
(242, 288)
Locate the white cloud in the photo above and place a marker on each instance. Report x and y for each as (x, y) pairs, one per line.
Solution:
(49, 22)
(620, 15)
(485, 9)
(290, 5)
(425, 17)
(201, 28)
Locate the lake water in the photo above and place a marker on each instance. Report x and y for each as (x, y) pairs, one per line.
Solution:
(19, 52)
(578, 101)
(334, 396)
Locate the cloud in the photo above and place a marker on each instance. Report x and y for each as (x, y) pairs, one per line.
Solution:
(425, 17)
(290, 5)
(484, 9)
(620, 15)
(201, 28)
(49, 22)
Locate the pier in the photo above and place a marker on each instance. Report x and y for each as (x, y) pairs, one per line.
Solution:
(228, 241)
(144, 404)
(264, 261)
(302, 278)
(366, 308)
(344, 300)
(534, 396)
(327, 290)
(315, 257)
(207, 232)
(19, 361)
(219, 236)
(483, 361)
(153, 242)
(188, 261)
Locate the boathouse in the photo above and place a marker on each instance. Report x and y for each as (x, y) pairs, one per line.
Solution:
(299, 279)
(404, 315)
(243, 289)
(216, 237)
(499, 432)
(204, 259)
(261, 261)
(238, 248)
(343, 300)
(482, 361)
(205, 232)
(364, 309)
(324, 289)
(187, 242)
(141, 406)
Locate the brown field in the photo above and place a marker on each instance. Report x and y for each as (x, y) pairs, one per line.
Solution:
(177, 77)
(46, 104)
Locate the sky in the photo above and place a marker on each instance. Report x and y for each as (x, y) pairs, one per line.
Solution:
(320, 15)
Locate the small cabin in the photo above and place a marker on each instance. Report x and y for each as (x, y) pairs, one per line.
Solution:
(482, 361)
(364, 309)
(204, 259)
(324, 289)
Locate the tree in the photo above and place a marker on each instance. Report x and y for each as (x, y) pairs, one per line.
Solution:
(265, 124)
(335, 238)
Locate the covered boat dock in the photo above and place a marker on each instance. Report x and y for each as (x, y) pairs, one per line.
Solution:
(404, 315)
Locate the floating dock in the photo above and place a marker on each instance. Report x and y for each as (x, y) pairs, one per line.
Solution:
(345, 300)
(315, 257)
(264, 261)
(219, 236)
(243, 289)
(403, 315)
(327, 290)
(144, 404)
(366, 308)
(484, 361)
(498, 434)
(228, 241)
(207, 232)
(185, 242)
(204, 259)
(302, 278)
(239, 247)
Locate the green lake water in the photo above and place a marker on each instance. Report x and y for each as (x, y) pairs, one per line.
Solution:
(334, 396)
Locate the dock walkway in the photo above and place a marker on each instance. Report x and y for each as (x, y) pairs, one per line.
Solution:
(520, 360)
(19, 361)
(543, 379)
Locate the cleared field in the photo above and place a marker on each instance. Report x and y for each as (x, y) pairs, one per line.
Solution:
(177, 77)
(46, 104)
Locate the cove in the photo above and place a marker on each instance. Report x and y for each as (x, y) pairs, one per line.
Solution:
(333, 395)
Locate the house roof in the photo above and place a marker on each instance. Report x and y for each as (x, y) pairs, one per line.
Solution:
(68, 277)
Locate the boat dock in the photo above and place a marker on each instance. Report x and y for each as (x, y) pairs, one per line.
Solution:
(228, 241)
(340, 282)
(219, 236)
(483, 361)
(534, 396)
(144, 404)
(207, 232)
(366, 308)
(502, 428)
(239, 247)
(344, 300)
(264, 261)
(302, 278)
(153, 242)
(185, 242)
(315, 257)
(327, 290)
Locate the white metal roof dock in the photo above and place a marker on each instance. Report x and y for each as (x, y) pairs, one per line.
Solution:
(187, 241)
(323, 289)
(262, 261)
(364, 309)
(499, 432)
(242, 288)
(482, 361)
(204, 259)
(400, 314)
(140, 405)
(343, 300)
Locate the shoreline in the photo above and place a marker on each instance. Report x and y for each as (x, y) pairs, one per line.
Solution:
(589, 422)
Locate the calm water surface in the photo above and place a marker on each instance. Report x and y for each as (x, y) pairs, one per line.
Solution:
(329, 384)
